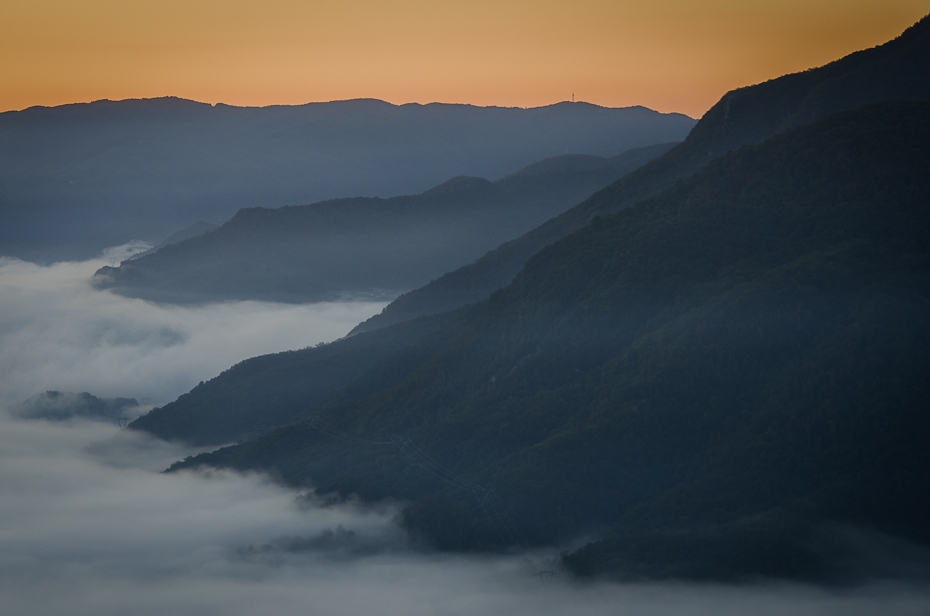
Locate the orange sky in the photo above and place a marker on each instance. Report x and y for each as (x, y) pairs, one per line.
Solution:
(670, 55)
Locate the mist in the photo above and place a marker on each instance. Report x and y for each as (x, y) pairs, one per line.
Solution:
(58, 333)
(88, 526)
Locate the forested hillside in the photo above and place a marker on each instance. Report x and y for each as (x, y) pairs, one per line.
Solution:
(366, 247)
(709, 377)
(897, 69)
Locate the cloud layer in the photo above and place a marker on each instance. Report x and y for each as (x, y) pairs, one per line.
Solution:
(89, 526)
(58, 333)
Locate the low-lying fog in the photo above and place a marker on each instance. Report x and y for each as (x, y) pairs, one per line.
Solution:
(58, 333)
(89, 526)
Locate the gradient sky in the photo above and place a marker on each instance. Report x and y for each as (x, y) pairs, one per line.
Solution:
(670, 55)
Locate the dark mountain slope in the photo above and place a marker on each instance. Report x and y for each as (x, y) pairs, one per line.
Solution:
(77, 178)
(710, 375)
(897, 69)
(198, 228)
(365, 246)
(261, 393)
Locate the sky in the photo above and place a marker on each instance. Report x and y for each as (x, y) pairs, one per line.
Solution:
(669, 55)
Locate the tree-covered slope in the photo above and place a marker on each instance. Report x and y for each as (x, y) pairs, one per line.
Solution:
(365, 246)
(897, 69)
(707, 377)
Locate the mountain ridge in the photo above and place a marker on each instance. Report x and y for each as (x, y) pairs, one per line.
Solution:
(899, 68)
(364, 247)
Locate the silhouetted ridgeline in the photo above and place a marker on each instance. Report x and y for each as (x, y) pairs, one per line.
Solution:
(365, 247)
(897, 69)
(77, 178)
(712, 377)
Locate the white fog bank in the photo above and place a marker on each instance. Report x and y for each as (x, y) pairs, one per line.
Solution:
(88, 528)
(58, 333)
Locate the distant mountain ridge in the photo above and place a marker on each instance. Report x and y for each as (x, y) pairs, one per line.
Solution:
(77, 178)
(365, 247)
(898, 69)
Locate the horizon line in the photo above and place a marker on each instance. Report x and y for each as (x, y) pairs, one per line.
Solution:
(345, 100)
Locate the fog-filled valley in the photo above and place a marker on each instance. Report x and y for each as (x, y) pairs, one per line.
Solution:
(88, 527)
(58, 333)
(355, 357)
(88, 524)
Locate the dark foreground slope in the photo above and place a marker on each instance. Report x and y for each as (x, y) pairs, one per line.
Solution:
(365, 246)
(897, 69)
(710, 377)
(77, 178)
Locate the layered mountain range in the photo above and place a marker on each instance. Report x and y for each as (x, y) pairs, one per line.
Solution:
(78, 178)
(716, 365)
(365, 247)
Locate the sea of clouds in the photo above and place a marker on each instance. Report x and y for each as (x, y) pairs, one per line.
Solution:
(59, 333)
(90, 526)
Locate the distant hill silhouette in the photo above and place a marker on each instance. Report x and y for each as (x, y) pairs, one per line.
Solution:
(77, 178)
(366, 247)
(897, 69)
(61, 406)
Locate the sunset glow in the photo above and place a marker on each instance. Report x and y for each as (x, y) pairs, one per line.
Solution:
(670, 55)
